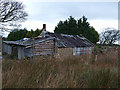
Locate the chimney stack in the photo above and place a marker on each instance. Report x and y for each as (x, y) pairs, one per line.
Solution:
(44, 27)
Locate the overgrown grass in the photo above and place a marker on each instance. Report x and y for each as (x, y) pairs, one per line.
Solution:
(72, 72)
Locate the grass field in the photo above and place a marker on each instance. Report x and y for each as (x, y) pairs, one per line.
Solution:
(95, 71)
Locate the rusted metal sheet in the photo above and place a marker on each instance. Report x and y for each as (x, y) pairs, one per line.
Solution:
(64, 40)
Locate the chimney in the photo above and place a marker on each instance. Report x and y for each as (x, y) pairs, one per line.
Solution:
(44, 27)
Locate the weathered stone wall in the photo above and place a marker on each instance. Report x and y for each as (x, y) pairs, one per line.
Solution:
(64, 52)
(68, 52)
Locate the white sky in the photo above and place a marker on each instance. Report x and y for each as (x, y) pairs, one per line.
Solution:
(100, 13)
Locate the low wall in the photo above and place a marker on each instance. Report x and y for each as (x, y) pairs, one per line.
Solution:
(63, 52)
(68, 52)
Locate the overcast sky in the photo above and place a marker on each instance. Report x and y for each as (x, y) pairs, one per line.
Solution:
(100, 14)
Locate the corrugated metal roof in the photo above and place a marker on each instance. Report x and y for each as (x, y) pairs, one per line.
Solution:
(13, 43)
(28, 42)
(64, 40)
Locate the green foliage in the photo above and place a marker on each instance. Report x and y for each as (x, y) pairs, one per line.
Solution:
(32, 33)
(17, 34)
(29, 34)
(22, 33)
(67, 27)
(76, 27)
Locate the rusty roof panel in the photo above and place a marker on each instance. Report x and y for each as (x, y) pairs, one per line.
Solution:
(62, 40)
(65, 40)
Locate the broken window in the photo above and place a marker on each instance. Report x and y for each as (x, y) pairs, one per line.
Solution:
(81, 50)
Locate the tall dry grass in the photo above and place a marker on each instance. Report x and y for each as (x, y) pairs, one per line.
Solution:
(73, 72)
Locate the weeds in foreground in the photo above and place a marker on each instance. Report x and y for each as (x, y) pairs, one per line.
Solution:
(72, 72)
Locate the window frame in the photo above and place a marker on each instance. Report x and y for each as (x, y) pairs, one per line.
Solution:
(82, 50)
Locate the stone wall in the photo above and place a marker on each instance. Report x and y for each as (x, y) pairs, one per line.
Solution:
(63, 52)
(68, 52)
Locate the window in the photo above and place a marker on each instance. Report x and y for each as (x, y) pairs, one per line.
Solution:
(87, 48)
(79, 51)
(90, 50)
(84, 49)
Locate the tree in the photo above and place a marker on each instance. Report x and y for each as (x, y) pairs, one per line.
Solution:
(17, 34)
(109, 36)
(67, 27)
(76, 27)
(31, 34)
(11, 12)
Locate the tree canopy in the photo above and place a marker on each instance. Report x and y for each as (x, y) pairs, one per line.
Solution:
(76, 27)
(32, 33)
(11, 13)
(109, 36)
(17, 34)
